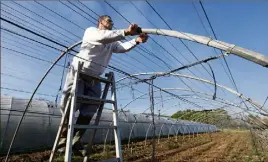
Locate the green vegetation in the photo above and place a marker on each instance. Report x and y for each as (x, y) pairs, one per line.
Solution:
(218, 117)
(204, 116)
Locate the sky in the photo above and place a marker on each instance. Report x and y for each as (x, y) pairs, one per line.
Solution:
(241, 23)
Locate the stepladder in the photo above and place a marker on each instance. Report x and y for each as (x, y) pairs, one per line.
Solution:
(69, 116)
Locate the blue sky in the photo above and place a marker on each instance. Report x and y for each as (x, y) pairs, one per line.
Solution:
(241, 23)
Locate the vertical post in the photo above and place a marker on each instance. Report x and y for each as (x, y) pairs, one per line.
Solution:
(151, 92)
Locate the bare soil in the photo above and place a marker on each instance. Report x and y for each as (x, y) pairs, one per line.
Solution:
(231, 146)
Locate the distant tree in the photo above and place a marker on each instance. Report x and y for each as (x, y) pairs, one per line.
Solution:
(218, 117)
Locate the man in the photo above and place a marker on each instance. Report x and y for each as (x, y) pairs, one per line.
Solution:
(97, 47)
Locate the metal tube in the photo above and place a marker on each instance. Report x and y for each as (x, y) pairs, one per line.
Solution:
(130, 133)
(106, 137)
(159, 134)
(252, 56)
(28, 104)
(169, 130)
(205, 81)
(147, 134)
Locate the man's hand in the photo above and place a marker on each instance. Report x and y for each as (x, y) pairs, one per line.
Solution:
(142, 38)
(132, 30)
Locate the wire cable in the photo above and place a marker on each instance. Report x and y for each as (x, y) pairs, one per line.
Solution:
(110, 67)
(59, 15)
(144, 50)
(18, 90)
(203, 25)
(264, 102)
(159, 44)
(217, 39)
(42, 24)
(47, 20)
(170, 44)
(147, 51)
(179, 38)
(88, 19)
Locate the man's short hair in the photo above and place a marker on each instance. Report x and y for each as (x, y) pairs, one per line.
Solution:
(103, 17)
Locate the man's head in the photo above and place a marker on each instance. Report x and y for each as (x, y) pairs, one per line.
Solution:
(105, 22)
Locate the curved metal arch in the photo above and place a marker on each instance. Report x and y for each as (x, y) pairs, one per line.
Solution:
(185, 89)
(185, 127)
(221, 100)
(203, 116)
(241, 52)
(245, 110)
(31, 98)
(169, 130)
(177, 133)
(106, 137)
(205, 81)
(201, 119)
(147, 134)
(226, 102)
(144, 94)
(231, 48)
(130, 133)
(159, 133)
(190, 131)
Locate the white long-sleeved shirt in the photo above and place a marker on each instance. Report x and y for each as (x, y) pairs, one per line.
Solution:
(97, 48)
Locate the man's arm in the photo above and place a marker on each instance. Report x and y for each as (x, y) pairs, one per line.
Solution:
(98, 37)
(119, 47)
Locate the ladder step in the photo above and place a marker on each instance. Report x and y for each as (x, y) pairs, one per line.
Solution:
(94, 126)
(92, 100)
(111, 160)
(85, 76)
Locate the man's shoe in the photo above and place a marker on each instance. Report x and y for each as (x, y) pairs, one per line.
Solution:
(77, 153)
(78, 146)
(76, 149)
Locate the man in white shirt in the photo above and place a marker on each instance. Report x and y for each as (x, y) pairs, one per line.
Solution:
(97, 47)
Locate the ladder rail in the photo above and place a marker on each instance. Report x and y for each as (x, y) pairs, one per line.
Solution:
(63, 119)
(97, 119)
(70, 109)
(116, 122)
(68, 151)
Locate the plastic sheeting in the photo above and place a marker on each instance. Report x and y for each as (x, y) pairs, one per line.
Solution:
(40, 125)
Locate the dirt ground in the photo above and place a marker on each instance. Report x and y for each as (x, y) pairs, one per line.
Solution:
(230, 146)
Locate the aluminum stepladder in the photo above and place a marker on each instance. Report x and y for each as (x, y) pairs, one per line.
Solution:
(75, 98)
